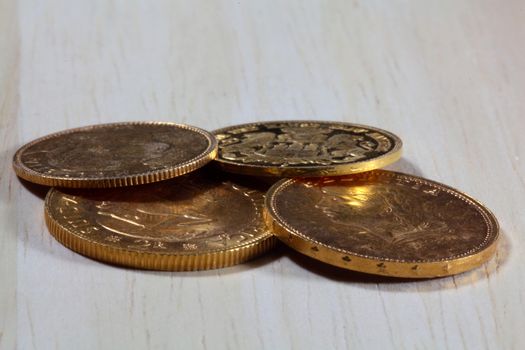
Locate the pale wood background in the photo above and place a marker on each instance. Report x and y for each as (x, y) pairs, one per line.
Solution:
(447, 76)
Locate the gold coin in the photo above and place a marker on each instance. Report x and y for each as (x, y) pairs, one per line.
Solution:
(195, 222)
(384, 223)
(305, 148)
(114, 155)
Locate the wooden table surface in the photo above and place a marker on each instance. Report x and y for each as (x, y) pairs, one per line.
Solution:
(447, 76)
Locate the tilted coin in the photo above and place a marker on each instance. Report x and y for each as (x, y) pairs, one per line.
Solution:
(384, 223)
(195, 222)
(114, 155)
(305, 148)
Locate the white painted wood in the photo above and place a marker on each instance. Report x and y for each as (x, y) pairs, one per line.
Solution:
(9, 188)
(447, 76)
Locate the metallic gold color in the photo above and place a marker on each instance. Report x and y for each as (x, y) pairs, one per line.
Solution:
(384, 223)
(305, 148)
(195, 222)
(114, 155)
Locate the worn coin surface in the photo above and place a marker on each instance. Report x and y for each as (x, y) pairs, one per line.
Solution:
(194, 222)
(384, 223)
(114, 155)
(305, 148)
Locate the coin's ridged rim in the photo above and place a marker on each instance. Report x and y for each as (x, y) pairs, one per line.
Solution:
(314, 171)
(386, 266)
(195, 163)
(182, 261)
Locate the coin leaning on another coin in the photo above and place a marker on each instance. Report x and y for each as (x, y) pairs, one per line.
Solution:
(115, 155)
(384, 223)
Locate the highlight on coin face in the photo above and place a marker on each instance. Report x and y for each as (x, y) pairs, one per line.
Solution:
(382, 217)
(156, 217)
(389, 219)
(197, 221)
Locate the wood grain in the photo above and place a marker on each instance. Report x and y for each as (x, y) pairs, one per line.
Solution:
(447, 76)
(9, 187)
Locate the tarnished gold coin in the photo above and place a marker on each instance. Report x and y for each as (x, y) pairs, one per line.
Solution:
(194, 222)
(114, 155)
(305, 148)
(384, 223)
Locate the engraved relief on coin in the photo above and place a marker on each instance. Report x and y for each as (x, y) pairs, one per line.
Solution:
(387, 216)
(302, 144)
(112, 151)
(196, 212)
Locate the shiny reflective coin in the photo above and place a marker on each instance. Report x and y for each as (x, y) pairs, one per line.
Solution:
(383, 223)
(305, 148)
(194, 222)
(114, 155)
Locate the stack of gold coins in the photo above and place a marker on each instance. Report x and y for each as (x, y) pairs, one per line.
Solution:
(142, 194)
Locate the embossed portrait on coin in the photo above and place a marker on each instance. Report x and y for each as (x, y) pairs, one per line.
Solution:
(115, 149)
(394, 221)
(76, 159)
(372, 217)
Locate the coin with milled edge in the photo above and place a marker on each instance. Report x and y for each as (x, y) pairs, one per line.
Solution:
(305, 148)
(383, 223)
(194, 222)
(114, 155)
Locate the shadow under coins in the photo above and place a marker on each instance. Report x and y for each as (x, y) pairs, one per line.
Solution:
(250, 266)
(486, 271)
(38, 190)
(405, 166)
(283, 255)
